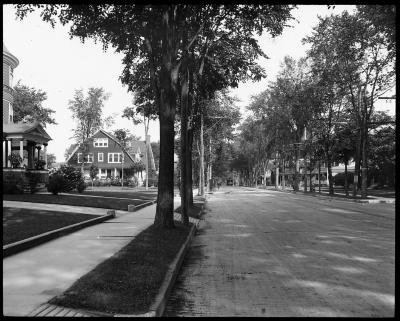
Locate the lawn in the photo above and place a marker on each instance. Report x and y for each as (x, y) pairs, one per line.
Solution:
(145, 195)
(76, 200)
(129, 281)
(20, 223)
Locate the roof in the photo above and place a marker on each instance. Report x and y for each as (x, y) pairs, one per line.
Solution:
(26, 128)
(8, 54)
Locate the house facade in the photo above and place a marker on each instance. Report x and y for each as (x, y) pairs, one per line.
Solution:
(24, 144)
(105, 151)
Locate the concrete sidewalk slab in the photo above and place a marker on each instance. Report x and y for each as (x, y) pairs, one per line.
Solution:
(32, 277)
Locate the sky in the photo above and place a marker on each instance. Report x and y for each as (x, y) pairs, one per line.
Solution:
(51, 61)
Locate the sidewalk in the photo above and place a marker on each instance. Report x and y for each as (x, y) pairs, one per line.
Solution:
(337, 196)
(33, 277)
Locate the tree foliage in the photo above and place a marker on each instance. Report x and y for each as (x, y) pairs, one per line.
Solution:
(28, 105)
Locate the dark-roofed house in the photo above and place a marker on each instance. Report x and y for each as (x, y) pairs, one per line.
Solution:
(105, 151)
(23, 143)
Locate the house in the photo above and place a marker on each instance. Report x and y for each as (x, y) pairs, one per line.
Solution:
(23, 143)
(106, 152)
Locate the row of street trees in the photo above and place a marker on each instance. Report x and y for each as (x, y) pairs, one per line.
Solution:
(176, 57)
(322, 107)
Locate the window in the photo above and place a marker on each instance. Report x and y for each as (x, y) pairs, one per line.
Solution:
(100, 142)
(100, 157)
(90, 158)
(10, 81)
(79, 157)
(10, 112)
(114, 157)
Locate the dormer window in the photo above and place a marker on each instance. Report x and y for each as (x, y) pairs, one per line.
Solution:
(100, 142)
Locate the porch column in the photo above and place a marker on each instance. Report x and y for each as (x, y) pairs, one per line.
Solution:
(115, 172)
(8, 152)
(4, 152)
(99, 173)
(45, 155)
(31, 154)
(21, 152)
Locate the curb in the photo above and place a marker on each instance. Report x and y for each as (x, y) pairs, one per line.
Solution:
(22, 245)
(158, 306)
(140, 206)
(372, 201)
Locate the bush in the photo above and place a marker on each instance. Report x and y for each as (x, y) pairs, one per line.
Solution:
(81, 186)
(56, 184)
(12, 188)
(338, 179)
(39, 164)
(15, 160)
(72, 178)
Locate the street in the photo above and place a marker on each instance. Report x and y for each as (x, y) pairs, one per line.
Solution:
(275, 254)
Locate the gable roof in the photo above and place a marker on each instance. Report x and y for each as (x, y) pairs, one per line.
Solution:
(26, 128)
(112, 137)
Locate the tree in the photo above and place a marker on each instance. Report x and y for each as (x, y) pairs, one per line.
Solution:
(357, 52)
(28, 105)
(51, 159)
(93, 171)
(87, 112)
(123, 136)
(147, 110)
(154, 34)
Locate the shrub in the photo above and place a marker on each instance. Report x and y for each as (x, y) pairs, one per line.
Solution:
(338, 179)
(72, 177)
(12, 188)
(56, 184)
(39, 164)
(81, 186)
(15, 160)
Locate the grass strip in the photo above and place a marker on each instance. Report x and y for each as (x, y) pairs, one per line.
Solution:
(129, 281)
(21, 223)
(100, 202)
(193, 211)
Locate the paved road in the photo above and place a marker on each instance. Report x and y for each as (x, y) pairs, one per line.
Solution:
(268, 253)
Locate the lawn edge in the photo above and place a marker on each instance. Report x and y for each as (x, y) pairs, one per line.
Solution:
(368, 201)
(33, 241)
(158, 306)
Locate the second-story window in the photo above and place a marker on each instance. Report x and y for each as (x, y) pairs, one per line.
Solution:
(79, 158)
(100, 157)
(100, 142)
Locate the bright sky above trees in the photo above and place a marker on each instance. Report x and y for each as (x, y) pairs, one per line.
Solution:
(52, 62)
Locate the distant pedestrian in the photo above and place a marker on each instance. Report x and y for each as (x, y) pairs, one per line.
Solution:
(219, 184)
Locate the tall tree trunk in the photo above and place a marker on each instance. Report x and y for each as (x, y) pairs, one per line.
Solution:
(184, 142)
(296, 170)
(357, 164)
(168, 83)
(329, 164)
(346, 184)
(190, 136)
(364, 160)
(201, 185)
(189, 173)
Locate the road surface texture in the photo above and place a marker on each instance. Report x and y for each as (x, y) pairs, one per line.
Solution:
(274, 254)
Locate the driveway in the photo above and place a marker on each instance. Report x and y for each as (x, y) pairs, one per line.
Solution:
(274, 254)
